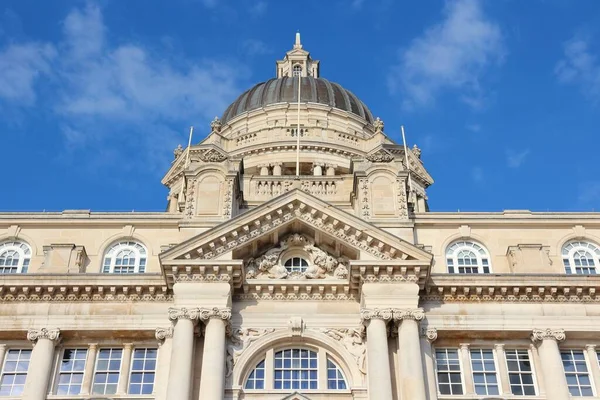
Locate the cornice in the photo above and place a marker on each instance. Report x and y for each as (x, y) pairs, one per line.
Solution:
(548, 219)
(83, 287)
(198, 270)
(529, 288)
(271, 289)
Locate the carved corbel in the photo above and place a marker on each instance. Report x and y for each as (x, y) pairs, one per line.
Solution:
(162, 334)
(296, 326)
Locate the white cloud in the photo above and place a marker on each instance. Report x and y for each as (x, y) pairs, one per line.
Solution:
(477, 174)
(451, 55)
(21, 65)
(255, 47)
(131, 96)
(514, 159)
(258, 8)
(581, 67)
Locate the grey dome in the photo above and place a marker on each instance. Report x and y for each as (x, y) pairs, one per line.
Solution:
(285, 90)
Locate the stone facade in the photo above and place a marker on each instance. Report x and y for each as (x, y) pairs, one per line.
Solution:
(319, 277)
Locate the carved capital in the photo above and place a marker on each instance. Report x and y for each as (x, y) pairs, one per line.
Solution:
(36, 334)
(163, 333)
(215, 312)
(416, 315)
(385, 314)
(548, 334)
(176, 314)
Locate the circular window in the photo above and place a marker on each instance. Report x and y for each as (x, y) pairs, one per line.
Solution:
(296, 264)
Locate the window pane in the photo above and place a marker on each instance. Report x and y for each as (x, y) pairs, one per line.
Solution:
(293, 374)
(448, 371)
(108, 367)
(576, 372)
(484, 371)
(143, 369)
(14, 372)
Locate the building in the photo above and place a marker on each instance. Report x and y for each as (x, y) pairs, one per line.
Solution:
(318, 274)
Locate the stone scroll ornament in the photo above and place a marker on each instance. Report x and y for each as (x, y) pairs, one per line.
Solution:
(269, 264)
(548, 334)
(201, 314)
(34, 335)
(239, 341)
(353, 340)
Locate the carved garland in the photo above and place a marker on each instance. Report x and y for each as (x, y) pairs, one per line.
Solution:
(364, 198)
(190, 206)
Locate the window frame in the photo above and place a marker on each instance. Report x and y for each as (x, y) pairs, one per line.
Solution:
(576, 373)
(299, 269)
(567, 256)
(141, 257)
(57, 370)
(24, 251)
(130, 370)
(481, 253)
(496, 371)
(112, 348)
(460, 366)
(3, 371)
(267, 357)
(297, 72)
(533, 371)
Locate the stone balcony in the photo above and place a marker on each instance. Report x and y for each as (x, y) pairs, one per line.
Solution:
(258, 189)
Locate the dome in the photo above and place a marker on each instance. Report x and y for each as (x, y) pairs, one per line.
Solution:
(285, 90)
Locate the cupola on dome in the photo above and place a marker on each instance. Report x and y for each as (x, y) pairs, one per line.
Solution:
(297, 66)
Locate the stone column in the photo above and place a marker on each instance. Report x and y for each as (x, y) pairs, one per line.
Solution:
(165, 345)
(40, 365)
(212, 380)
(2, 354)
(594, 367)
(552, 367)
(412, 380)
(465, 359)
(90, 363)
(330, 169)
(180, 374)
(502, 370)
(378, 362)
(428, 359)
(264, 169)
(276, 169)
(124, 372)
(317, 169)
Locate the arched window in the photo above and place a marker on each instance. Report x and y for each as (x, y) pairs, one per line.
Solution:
(14, 257)
(126, 257)
(296, 264)
(581, 258)
(296, 369)
(466, 257)
(297, 70)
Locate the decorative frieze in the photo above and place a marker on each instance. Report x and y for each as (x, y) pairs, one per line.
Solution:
(34, 335)
(548, 334)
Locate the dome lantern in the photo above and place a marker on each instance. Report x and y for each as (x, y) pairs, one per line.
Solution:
(297, 62)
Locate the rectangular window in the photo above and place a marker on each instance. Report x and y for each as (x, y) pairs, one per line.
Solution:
(296, 369)
(484, 372)
(576, 371)
(108, 366)
(70, 375)
(448, 371)
(143, 368)
(520, 372)
(14, 372)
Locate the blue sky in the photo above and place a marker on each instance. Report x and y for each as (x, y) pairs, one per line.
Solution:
(502, 96)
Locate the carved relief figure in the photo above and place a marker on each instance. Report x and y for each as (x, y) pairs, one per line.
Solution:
(238, 342)
(352, 340)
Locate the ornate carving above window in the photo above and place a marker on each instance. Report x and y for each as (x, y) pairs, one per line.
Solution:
(296, 257)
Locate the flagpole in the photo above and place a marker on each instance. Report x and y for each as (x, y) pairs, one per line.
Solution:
(187, 156)
(407, 163)
(298, 129)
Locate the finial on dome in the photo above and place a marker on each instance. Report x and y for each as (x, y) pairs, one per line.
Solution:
(215, 125)
(298, 45)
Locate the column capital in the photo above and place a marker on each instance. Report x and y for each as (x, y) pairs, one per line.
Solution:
(431, 334)
(499, 346)
(44, 333)
(590, 347)
(464, 346)
(163, 333)
(368, 314)
(183, 313)
(416, 314)
(215, 312)
(537, 335)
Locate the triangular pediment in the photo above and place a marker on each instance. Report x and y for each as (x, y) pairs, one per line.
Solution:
(301, 207)
(295, 396)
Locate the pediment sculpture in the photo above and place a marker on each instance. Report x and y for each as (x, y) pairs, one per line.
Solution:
(320, 264)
